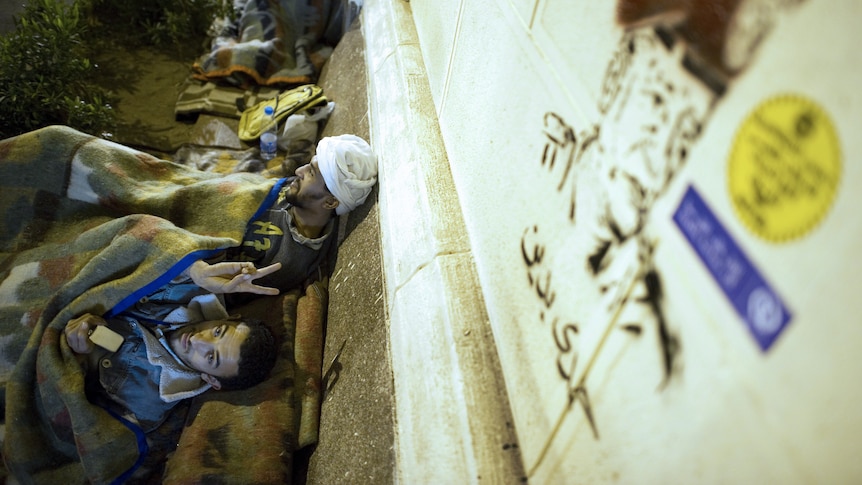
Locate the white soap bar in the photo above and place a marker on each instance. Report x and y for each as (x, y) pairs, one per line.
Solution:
(106, 338)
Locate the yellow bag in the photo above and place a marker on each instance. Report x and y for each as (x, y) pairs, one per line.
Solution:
(253, 121)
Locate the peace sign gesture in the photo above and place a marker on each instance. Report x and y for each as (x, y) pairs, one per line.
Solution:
(230, 277)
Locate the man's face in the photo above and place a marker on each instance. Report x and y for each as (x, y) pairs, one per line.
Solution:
(210, 347)
(308, 187)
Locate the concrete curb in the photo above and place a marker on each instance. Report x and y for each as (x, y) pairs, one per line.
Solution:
(453, 421)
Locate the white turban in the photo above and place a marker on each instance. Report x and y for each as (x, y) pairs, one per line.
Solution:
(349, 168)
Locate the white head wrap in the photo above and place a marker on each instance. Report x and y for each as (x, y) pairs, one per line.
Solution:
(349, 168)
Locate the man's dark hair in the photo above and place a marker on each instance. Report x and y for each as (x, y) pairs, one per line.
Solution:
(257, 356)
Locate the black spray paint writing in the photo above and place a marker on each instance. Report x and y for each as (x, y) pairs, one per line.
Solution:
(659, 90)
(619, 166)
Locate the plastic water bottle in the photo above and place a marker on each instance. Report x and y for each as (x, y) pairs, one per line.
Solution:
(269, 138)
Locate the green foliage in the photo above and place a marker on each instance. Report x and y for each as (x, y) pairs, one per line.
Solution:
(181, 24)
(45, 72)
(94, 116)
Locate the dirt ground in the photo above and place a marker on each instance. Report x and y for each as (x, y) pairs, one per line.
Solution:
(147, 84)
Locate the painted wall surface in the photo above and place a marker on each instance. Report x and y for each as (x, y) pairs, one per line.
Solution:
(661, 199)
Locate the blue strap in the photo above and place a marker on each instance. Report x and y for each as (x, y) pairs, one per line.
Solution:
(162, 280)
(190, 258)
(143, 448)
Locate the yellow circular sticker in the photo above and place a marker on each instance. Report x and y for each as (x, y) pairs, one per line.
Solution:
(784, 168)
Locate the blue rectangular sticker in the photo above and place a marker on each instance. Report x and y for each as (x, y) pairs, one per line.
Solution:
(754, 300)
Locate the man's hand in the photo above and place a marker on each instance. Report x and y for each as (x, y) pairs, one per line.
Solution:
(231, 277)
(78, 332)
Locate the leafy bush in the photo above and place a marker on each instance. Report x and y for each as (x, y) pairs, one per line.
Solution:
(182, 24)
(45, 72)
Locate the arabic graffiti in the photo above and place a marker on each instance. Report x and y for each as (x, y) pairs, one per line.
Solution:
(660, 88)
(565, 145)
(538, 276)
(672, 66)
(610, 174)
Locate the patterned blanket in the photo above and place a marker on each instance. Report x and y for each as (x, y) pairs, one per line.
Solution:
(273, 42)
(91, 226)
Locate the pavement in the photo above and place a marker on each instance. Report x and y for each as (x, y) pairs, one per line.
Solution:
(357, 443)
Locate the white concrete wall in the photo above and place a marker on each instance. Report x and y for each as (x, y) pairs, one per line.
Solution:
(573, 138)
(453, 419)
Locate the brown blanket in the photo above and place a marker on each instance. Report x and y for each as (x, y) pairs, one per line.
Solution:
(274, 42)
(75, 239)
(244, 437)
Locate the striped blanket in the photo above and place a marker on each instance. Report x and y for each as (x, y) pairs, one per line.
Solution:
(273, 43)
(91, 226)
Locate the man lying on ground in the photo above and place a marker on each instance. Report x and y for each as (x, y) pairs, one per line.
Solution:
(176, 344)
(98, 228)
(170, 352)
(337, 180)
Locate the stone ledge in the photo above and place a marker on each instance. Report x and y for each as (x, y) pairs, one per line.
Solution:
(454, 423)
